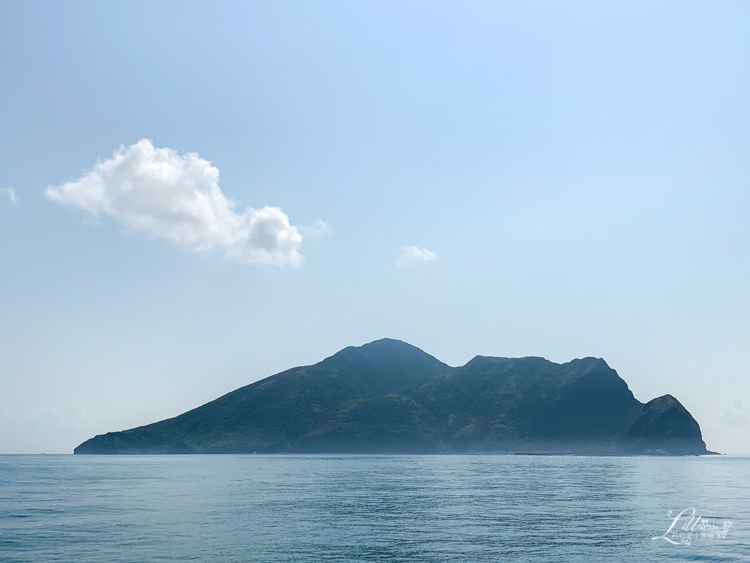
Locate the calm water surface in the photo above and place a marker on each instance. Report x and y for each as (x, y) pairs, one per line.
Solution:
(367, 508)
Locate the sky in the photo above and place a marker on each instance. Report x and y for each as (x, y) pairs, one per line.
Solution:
(194, 196)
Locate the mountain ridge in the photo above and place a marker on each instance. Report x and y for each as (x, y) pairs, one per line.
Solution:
(388, 396)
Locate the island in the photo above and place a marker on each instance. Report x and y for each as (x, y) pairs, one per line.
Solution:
(391, 397)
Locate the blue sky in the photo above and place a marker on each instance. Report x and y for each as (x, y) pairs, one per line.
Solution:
(575, 173)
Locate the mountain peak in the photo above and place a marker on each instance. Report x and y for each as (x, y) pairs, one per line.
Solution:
(664, 424)
(388, 344)
(384, 352)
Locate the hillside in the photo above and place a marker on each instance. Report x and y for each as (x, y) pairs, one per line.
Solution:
(390, 397)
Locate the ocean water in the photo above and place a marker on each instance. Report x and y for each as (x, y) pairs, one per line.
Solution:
(320, 508)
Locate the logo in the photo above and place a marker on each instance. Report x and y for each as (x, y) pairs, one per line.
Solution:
(686, 528)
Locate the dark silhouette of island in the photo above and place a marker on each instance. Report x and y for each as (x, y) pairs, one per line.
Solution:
(391, 397)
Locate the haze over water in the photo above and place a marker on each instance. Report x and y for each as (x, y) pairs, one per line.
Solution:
(367, 508)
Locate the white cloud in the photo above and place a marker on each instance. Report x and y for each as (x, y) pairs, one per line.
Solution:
(735, 416)
(162, 194)
(11, 193)
(415, 254)
(50, 430)
(318, 229)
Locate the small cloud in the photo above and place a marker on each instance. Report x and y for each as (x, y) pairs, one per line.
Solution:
(163, 194)
(53, 430)
(71, 416)
(11, 193)
(735, 416)
(318, 229)
(415, 254)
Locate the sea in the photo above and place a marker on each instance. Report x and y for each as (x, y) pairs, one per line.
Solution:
(378, 508)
